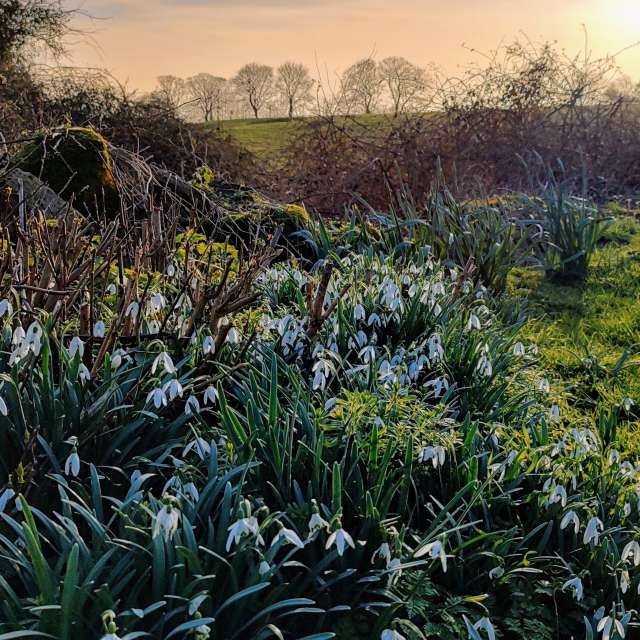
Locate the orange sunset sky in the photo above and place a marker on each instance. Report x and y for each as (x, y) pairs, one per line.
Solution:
(138, 40)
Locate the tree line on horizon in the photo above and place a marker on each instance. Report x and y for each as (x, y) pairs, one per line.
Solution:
(393, 84)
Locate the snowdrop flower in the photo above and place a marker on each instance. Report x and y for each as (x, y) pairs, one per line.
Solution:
(367, 354)
(625, 581)
(440, 385)
(383, 552)
(200, 446)
(190, 490)
(518, 349)
(569, 518)
(484, 366)
(192, 406)
(434, 550)
(632, 549)
(132, 311)
(576, 585)
(18, 336)
(166, 522)
(5, 496)
(208, 346)
(558, 494)
(157, 302)
(316, 522)
(593, 531)
(340, 538)
(485, 625)
(543, 385)
(496, 572)
(390, 634)
(157, 397)
(164, 360)
(210, 395)
(233, 337)
(5, 308)
(72, 464)
(289, 536)
(118, 357)
(99, 329)
(170, 270)
(83, 374)
(474, 322)
(374, 320)
(173, 389)
(627, 403)
(607, 624)
(359, 312)
(241, 528)
(554, 413)
(76, 346)
(435, 454)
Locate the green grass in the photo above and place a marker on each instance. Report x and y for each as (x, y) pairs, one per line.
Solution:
(267, 137)
(589, 334)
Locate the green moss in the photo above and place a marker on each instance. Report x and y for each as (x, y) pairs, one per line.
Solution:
(76, 163)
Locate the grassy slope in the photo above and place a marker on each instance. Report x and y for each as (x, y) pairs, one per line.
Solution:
(589, 334)
(267, 136)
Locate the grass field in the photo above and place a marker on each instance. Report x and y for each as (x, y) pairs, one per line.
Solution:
(266, 137)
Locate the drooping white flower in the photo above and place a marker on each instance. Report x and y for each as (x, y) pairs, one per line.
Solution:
(99, 329)
(569, 518)
(434, 550)
(474, 322)
(83, 373)
(72, 464)
(391, 634)
(518, 349)
(210, 395)
(163, 359)
(435, 454)
(625, 581)
(485, 625)
(593, 531)
(132, 311)
(607, 624)
(233, 337)
(173, 389)
(631, 549)
(340, 538)
(543, 385)
(76, 346)
(157, 397)
(554, 413)
(6, 308)
(166, 522)
(200, 446)
(241, 528)
(359, 312)
(627, 403)
(576, 585)
(192, 406)
(383, 552)
(289, 536)
(208, 346)
(316, 523)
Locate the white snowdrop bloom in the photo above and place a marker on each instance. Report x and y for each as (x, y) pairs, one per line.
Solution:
(118, 357)
(434, 454)
(576, 585)
(474, 322)
(157, 302)
(233, 337)
(543, 385)
(391, 634)
(554, 413)
(625, 581)
(626, 509)
(316, 522)
(607, 625)
(558, 494)
(341, 539)
(570, 518)
(75, 346)
(593, 530)
(173, 389)
(111, 290)
(18, 335)
(264, 568)
(436, 351)
(631, 549)
(4, 410)
(208, 345)
(330, 404)
(190, 490)
(484, 366)
(440, 385)
(496, 572)
(6, 308)
(434, 550)
(200, 446)
(153, 327)
(83, 374)
(170, 270)
(288, 536)
(383, 552)
(374, 320)
(72, 465)
(359, 313)
(613, 457)
(163, 359)
(20, 352)
(166, 522)
(99, 329)
(518, 349)
(485, 625)
(241, 528)
(5, 497)
(367, 354)
(627, 403)
(210, 395)
(132, 311)
(157, 398)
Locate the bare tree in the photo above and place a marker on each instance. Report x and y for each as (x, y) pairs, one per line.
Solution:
(294, 85)
(211, 94)
(362, 85)
(405, 81)
(255, 83)
(171, 90)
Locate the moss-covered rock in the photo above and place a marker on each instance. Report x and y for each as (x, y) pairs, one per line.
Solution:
(76, 163)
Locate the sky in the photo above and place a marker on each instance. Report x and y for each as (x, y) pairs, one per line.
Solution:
(137, 40)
